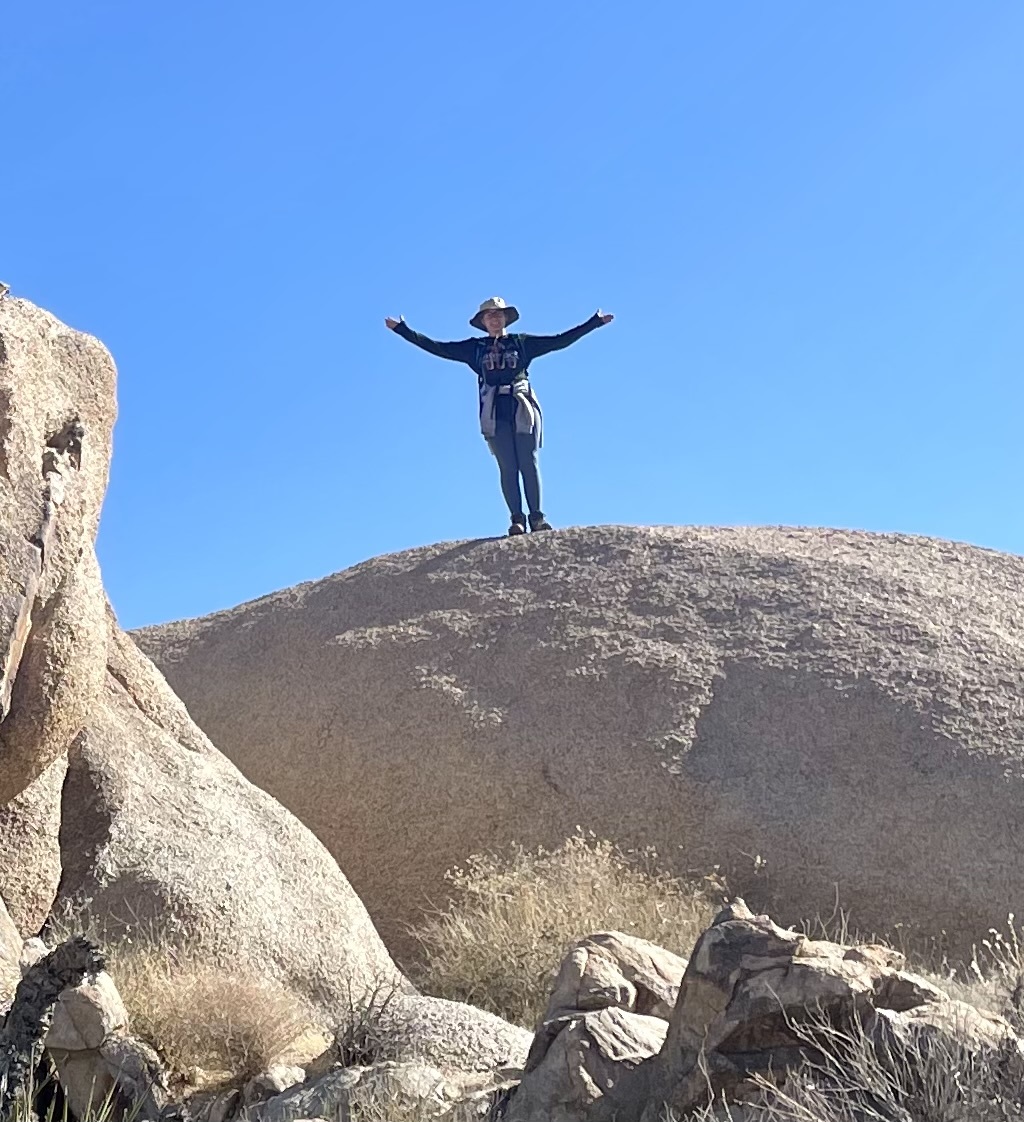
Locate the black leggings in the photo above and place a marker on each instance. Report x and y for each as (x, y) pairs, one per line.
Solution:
(516, 453)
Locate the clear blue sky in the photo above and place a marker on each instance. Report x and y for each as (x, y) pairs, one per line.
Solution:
(807, 217)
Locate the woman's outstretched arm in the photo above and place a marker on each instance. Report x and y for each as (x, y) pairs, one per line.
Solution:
(537, 345)
(459, 351)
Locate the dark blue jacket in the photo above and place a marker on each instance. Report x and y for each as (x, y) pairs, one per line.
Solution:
(499, 362)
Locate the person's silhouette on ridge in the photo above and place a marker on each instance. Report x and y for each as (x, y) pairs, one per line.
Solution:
(510, 416)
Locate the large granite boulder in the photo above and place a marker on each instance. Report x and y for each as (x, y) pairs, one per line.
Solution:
(158, 830)
(115, 809)
(813, 711)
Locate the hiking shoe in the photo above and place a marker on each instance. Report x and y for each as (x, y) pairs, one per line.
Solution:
(539, 522)
(518, 526)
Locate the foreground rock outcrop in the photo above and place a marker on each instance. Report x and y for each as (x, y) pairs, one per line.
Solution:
(757, 1016)
(756, 1003)
(25, 1025)
(115, 809)
(817, 712)
(608, 1013)
(612, 969)
(95, 1058)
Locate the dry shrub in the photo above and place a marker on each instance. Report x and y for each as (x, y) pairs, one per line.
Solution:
(993, 980)
(224, 1022)
(210, 1021)
(513, 915)
(368, 1033)
(849, 1078)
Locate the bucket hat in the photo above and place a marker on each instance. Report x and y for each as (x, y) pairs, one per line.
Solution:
(495, 303)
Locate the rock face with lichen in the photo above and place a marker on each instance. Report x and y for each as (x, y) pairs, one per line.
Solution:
(817, 712)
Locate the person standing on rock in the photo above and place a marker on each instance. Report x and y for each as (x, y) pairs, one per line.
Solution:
(510, 416)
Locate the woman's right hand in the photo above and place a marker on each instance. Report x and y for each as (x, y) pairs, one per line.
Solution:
(390, 323)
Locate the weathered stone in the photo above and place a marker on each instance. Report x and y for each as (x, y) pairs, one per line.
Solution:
(614, 969)
(747, 996)
(876, 954)
(404, 1086)
(150, 824)
(215, 1106)
(87, 1084)
(451, 1035)
(121, 1080)
(406, 1089)
(26, 1023)
(330, 1095)
(138, 1075)
(158, 828)
(86, 1015)
(944, 1028)
(747, 977)
(584, 1062)
(273, 1081)
(455, 1036)
(607, 970)
(56, 416)
(10, 952)
(32, 951)
(30, 864)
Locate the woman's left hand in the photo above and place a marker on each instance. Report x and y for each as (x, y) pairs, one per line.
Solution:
(604, 317)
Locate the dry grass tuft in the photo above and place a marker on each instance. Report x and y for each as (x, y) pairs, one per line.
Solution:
(994, 978)
(851, 1079)
(211, 1022)
(368, 1034)
(41, 1100)
(208, 1023)
(500, 941)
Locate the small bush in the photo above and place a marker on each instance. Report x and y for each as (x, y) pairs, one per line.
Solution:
(186, 997)
(368, 1033)
(227, 1023)
(848, 1078)
(993, 980)
(513, 916)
